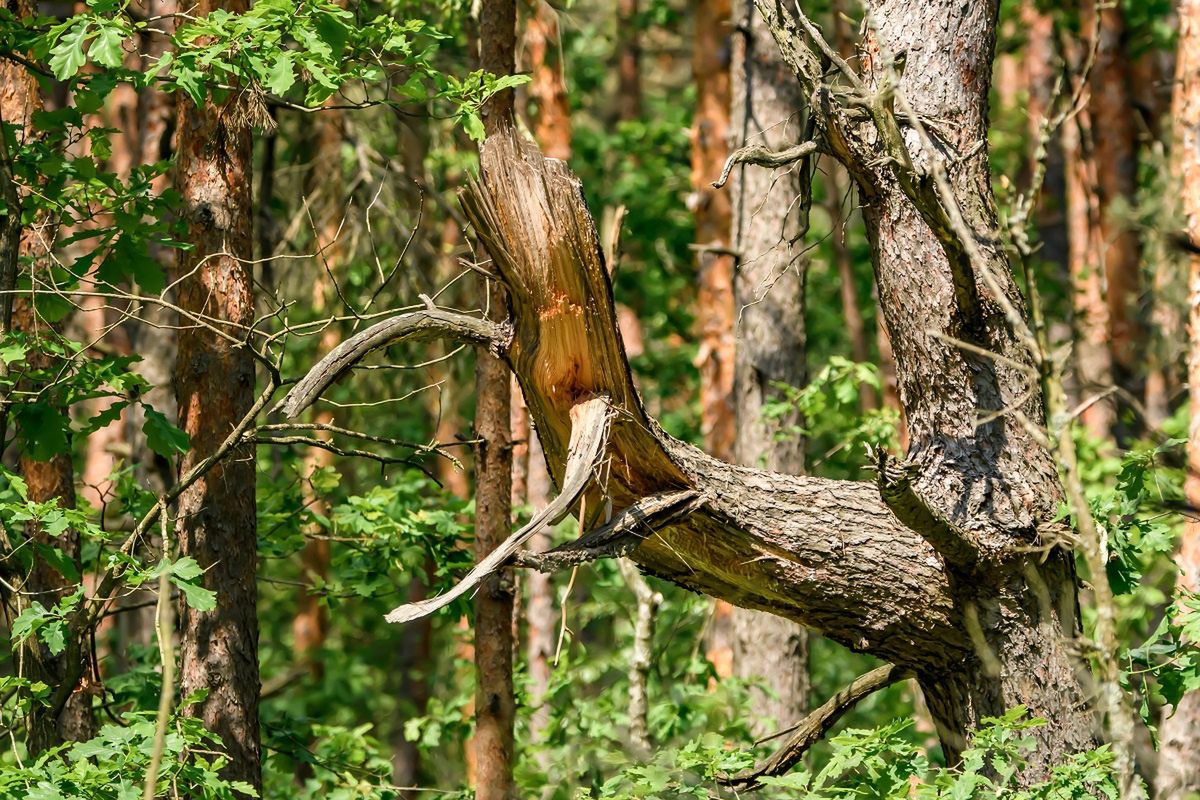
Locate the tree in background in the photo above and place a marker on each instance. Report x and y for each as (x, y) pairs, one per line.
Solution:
(770, 211)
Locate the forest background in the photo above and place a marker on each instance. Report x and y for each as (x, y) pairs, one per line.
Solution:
(194, 588)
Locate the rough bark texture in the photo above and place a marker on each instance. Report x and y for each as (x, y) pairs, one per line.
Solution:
(1179, 762)
(214, 385)
(769, 218)
(45, 480)
(494, 703)
(51, 480)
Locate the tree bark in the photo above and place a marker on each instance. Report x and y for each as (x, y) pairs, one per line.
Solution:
(495, 708)
(714, 300)
(1179, 760)
(769, 222)
(214, 384)
(1093, 354)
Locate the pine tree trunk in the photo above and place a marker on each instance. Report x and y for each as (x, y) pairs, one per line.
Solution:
(214, 385)
(494, 703)
(769, 297)
(1113, 118)
(1179, 760)
(1092, 353)
(48, 480)
(715, 264)
(629, 60)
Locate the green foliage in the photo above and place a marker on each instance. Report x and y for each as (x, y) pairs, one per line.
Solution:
(112, 765)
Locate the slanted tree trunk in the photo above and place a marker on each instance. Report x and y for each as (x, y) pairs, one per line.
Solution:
(214, 385)
(769, 221)
(495, 708)
(1179, 761)
(947, 565)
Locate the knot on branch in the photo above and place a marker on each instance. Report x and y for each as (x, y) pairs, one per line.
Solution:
(896, 481)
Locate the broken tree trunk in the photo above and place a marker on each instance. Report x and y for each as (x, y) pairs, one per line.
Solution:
(948, 565)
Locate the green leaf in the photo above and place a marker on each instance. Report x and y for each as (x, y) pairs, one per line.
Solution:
(55, 636)
(186, 569)
(197, 597)
(30, 620)
(106, 50)
(13, 352)
(44, 430)
(282, 75)
(162, 437)
(66, 57)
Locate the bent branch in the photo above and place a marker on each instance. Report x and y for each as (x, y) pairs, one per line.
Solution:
(430, 323)
(589, 436)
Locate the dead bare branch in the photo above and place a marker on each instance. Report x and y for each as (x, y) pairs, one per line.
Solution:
(591, 421)
(814, 726)
(430, 323)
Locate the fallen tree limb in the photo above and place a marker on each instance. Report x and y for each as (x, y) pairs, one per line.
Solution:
(591, 421)
(813, 727)
(430, 323)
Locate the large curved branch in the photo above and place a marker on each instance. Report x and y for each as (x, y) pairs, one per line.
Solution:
(430, 323)
(589, 436)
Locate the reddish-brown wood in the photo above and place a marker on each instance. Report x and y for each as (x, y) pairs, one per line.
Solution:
(214, 385)
(1179, 763)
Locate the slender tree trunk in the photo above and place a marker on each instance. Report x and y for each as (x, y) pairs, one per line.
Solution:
(52, 479)
(325, 197)
(1115, 139)
(494, 702)
(1092, 352)
(46, 481)
(838, 191)
(714, 301)
(768, 226)
(715, 263)
(629, 61)
(1179, 761)
(214, 385)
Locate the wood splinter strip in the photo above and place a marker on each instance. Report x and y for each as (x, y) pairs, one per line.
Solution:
(590, 424)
